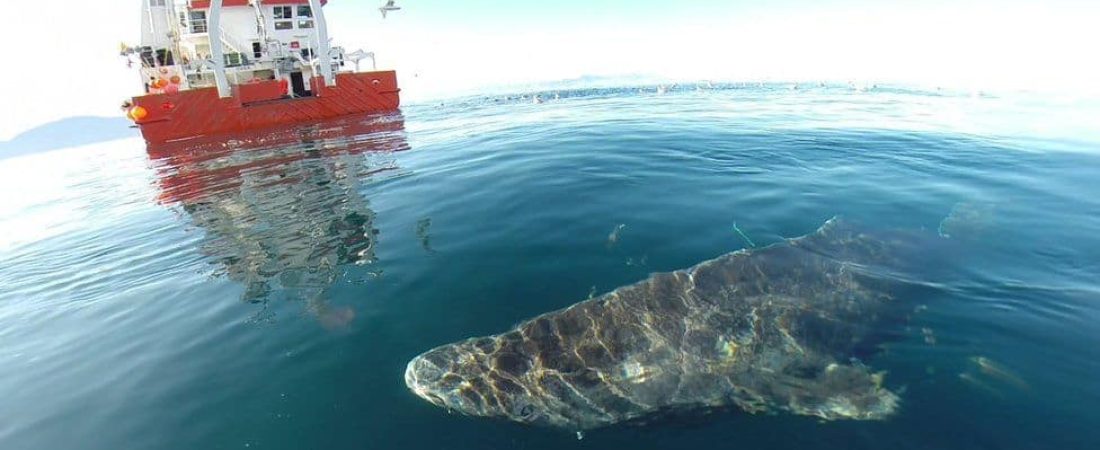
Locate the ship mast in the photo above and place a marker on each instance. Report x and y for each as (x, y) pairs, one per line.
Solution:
(324, 49)
(217, 53)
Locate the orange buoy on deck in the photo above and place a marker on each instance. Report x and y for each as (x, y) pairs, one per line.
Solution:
(137, 113)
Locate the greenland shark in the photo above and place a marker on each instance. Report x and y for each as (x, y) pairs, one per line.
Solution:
(767, 330)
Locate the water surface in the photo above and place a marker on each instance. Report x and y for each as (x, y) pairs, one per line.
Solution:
(267, 290)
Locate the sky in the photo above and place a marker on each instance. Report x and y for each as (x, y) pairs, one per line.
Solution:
(442, 48)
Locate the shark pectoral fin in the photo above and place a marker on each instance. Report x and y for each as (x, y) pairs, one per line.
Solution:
(843, 392)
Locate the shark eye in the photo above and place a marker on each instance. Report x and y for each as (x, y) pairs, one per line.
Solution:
(525, 411)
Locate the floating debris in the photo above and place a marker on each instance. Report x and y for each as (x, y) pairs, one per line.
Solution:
(929, 336)
(580, 435)
(988, 370)
(613, 238)
(744, 236)
(371, 275)
(999, 372)
(974, 381)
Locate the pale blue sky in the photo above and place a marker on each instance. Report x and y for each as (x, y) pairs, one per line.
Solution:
(967, 43)
(445, 47)
(504, 14)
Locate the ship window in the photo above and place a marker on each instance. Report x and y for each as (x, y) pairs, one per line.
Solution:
(284, 12)
(235, 59)
(198, 21)
(156, 2)
(257, 50)
(304, 11)
(284, 25)
(165, 58)
(305, 24)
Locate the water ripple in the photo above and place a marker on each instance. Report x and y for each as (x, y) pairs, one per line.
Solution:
(266, 289)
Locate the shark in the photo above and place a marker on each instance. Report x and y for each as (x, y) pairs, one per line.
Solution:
(775, 329)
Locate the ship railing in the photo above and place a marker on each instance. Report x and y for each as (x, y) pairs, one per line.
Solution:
(357, 56)
(337, 56)
(230, 43)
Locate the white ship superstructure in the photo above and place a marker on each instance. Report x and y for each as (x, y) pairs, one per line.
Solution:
(221, 66)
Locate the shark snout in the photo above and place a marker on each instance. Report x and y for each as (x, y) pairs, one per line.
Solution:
(449, 377)
(422, 378)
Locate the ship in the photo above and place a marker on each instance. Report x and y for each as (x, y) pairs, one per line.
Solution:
(217, 67)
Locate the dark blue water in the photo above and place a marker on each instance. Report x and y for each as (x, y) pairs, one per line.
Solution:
(267, 292)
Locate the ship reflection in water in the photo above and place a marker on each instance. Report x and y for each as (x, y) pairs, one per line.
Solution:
(284, 211)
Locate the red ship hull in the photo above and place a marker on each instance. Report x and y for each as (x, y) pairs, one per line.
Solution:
(200, 112)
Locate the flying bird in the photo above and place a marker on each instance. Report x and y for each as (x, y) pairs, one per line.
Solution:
(389, 6)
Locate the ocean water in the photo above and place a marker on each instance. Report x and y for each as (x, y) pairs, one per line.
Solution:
(266, 291)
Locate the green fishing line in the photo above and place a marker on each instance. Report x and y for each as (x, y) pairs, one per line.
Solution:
(743, 236)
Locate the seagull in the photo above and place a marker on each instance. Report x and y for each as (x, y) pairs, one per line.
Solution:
(389, 6)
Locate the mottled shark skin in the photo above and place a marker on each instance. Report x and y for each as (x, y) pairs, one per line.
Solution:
(773, 329)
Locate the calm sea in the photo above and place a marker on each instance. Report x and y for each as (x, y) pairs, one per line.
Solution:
(266, 291)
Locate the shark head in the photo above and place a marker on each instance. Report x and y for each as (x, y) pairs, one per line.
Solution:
(475, 378)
